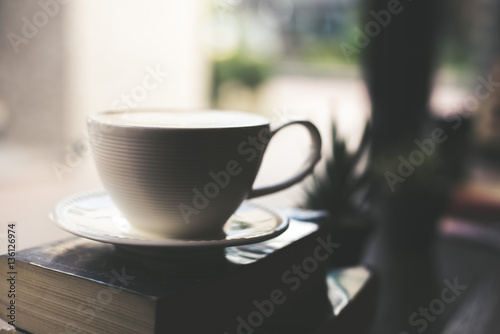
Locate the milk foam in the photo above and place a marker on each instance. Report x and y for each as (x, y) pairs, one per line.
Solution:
(167, 119)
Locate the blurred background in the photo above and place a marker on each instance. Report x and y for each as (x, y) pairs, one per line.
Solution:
(378, 78)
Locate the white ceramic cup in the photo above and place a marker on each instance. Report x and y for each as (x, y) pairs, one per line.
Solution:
(183, 174)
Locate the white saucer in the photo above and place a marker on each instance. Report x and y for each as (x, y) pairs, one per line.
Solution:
(93, 215)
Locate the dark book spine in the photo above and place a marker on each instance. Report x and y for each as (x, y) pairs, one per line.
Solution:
(247, 300)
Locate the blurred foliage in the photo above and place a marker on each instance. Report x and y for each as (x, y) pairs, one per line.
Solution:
(244, 70)
(313, 34)
(325, 51)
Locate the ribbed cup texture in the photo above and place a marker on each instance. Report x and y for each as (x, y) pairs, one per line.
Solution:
(155, 174)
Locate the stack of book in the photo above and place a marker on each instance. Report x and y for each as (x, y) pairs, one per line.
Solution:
(277, 286)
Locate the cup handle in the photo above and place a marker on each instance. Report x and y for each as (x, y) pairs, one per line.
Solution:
(309, 164)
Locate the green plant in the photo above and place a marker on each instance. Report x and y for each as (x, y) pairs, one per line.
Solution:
(341, 188)
(239, 68)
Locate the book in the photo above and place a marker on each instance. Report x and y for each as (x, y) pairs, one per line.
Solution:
(351, 298)
(82, 286)
(345, 303)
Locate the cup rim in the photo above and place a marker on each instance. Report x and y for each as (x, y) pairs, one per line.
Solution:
(259, 120)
